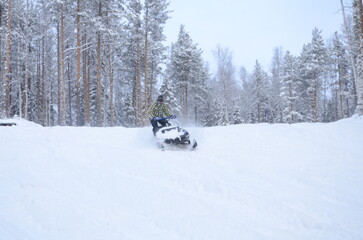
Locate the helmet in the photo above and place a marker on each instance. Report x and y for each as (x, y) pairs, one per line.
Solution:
(161, 98)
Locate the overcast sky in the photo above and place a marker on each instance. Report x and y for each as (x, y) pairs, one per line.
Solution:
(251, 29)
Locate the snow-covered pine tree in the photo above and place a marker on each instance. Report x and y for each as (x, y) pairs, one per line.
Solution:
(115, 31)
(59, 8)
(132, 57)
(260, 89)
(289, 89)
(201, 94)
(67, 53)
(353, 45)
(223, 116)
(88, 53)
(314, 68)
(156, 14)
(198, 86)
(342, 79)
(31, 21)
(225, 77)
(352, 48)
(186, 72)
(169, 97)
(276, 77)
(209, 105)
(236, 115)
(11, 80)
(128, 114)
(247, 97)
(215, 113)
(302, 105)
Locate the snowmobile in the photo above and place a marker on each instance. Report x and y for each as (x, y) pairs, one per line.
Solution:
(173, 137)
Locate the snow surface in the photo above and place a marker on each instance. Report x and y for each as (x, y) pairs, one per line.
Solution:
(301, 181)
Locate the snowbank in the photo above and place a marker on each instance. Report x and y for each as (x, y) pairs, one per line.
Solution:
(301, 181)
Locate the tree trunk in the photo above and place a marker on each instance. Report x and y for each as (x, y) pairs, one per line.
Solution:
(62, 63)
(78, 59)
(138, 88)
(315, 106)
(347, 101)
(88, 113)
(340, 94)
(86, 85)
(360, 82)
(351, 50)
(7, 66)
(195, 115)
(26, 87)
(27, 47)
(51, 108)
(1, 50)
(20, 99)
(99, 86)
(43, 91)
(151, 82)
(69, 95)
(38, 85)
(134, 97)
(58, 76)
(186, 102)
(112, 106)
(290, 105)
(146, 85)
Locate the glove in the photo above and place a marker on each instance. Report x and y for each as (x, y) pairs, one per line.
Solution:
(173, 116)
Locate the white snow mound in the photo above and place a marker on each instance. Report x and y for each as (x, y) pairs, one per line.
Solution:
(300, 181)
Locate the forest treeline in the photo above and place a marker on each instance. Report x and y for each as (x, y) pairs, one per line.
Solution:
(103, 62)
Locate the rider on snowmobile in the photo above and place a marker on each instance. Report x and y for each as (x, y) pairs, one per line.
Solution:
(157, 111)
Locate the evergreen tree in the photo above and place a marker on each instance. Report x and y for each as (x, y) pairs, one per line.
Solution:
(261, 85)
(289, 89)
(155, 16)
(247, 97)
(128, 113)
(186, 72)
(314, 69)
(225, 77)
(133, 55)
(236, 115)
(76, 62)
(209, 107)
(341, 76)
(214, 114)
(169, 97)
(276, 77)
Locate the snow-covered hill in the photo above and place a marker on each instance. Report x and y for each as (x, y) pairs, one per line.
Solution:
(301, 181)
